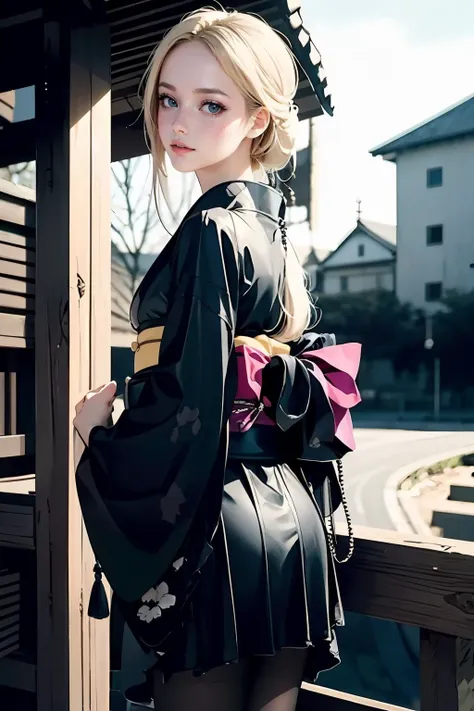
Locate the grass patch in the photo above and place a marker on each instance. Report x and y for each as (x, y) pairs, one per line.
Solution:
(424, 472)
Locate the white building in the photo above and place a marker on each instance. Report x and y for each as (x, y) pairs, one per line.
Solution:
(364, 260)
(435, 205)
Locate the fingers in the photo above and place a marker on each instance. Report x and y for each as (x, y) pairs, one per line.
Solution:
(108, 391)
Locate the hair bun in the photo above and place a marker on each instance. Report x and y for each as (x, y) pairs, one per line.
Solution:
(273, 150)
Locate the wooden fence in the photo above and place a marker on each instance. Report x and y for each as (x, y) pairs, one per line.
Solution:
(425, 583)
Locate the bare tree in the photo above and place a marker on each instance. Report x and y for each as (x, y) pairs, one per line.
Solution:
(137, 230)
(134, 218)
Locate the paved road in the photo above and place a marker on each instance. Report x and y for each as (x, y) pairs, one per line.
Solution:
(381, 659)
(381, 452)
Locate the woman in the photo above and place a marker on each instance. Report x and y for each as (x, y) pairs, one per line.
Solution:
(201, 501)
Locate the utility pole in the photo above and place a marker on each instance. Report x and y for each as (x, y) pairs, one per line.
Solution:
(429, 343)
(437, 389)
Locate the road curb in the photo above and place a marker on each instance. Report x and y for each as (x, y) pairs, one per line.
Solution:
(401, 507)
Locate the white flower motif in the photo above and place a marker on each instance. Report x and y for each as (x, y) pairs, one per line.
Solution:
(162, 598)
(150, 596)
(178, 563)
(148, 614)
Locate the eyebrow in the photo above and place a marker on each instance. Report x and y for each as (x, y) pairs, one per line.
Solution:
(204, 90)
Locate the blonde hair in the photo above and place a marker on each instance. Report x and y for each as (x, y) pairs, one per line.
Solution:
(261, 64)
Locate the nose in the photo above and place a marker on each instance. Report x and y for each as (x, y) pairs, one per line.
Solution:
(179, 126)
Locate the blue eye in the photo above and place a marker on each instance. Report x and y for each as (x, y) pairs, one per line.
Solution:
(214, 108)
(163, 98)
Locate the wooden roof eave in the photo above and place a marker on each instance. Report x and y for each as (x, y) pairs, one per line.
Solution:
(135, 29)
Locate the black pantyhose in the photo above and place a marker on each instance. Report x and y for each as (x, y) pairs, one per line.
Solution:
(259, 684)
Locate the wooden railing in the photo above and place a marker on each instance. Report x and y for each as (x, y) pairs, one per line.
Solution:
(428, 583)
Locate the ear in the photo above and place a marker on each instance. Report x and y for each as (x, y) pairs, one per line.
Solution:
(258, 123)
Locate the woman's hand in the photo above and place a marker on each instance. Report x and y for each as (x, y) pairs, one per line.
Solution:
(94, 409)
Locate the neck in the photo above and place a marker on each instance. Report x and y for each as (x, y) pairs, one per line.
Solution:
(208, 181)
(235, 167)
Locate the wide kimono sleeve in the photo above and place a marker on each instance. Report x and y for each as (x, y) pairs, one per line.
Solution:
(141, 482)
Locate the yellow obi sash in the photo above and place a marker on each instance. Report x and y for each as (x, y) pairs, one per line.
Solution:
(148, 343)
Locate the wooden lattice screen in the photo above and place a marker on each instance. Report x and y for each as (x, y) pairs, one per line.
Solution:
(17, 425)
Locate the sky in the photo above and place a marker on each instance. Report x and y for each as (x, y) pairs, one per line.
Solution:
(390, 66)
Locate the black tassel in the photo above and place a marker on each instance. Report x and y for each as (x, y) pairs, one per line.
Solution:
(98, 603)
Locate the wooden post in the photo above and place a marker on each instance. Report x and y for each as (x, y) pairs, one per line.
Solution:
(446, 672)
(72, 341)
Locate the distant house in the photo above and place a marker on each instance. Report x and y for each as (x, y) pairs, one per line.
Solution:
(435, 205)
(310, 259)
(364, 260)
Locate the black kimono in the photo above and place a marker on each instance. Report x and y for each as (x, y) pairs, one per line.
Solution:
(214, 553)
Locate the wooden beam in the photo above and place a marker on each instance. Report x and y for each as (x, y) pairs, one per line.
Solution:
(318, 698)
(15, 342)
(410, 579)
(12, 14)
(17, 445)
(16, 206)
(17, 141)
(16, 325)
(98, 320)
(446, 672)
(72, 348)
(21, 241)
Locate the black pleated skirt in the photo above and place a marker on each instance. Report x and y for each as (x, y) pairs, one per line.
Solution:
(270, 584)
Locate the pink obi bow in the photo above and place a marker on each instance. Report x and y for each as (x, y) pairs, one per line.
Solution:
(336, 368)
(316, 385)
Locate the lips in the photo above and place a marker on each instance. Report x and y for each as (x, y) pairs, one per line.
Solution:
(181, 151)
(180, 148)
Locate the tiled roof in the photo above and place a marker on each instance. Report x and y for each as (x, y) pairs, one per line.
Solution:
(388, 233)
(454, 122)
(382, 233)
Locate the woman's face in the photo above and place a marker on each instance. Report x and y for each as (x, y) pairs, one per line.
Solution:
(202, 109)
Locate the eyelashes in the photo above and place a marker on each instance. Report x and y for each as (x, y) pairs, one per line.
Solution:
(214, 103)
(163, 97)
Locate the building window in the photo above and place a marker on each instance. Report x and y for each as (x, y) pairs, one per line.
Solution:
(434, 177)
(434, 234)
(361, 250)
(433, 291)
(344, 283)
